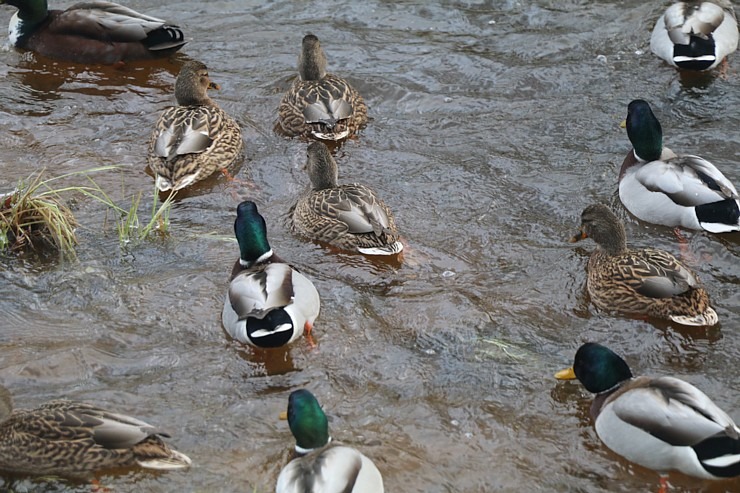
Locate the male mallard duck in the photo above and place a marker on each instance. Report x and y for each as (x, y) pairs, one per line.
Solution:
(269, 303)
(74, 439)
(695, 35)
(351, 217)
(660, 187)
(320, 104)
(91, 32)
(320, 467)
(195, 138)
(661, 423)
(645, 281)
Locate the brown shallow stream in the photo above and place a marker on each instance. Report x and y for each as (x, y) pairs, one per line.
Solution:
(493, 125)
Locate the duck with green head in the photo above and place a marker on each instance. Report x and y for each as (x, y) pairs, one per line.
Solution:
(268, 303)
(696, 35)
(643, 281)
(322, 467)
(91, 32)
(660, 187)
(194, 139)
(318, 103)
(351, 217)
(73, 439)
(661, 423)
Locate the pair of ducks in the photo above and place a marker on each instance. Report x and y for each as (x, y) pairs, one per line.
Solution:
(692, 35)
(74, 439)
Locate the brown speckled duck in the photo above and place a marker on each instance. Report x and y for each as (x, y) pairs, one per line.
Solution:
(350, 217)
(74, 439)
(319, 104)
(91, 32)
(639, 281)
(195, 138)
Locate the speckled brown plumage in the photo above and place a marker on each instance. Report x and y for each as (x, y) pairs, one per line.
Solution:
(194, 139)
(74, 439)
(320, 104)
(351, 216)
(639, 281)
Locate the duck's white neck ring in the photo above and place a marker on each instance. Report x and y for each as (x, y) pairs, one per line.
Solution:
(304, 451)
(261, 258)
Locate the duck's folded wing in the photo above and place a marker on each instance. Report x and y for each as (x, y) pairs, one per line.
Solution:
(179, 133)
(105, 20)
(687, 180)
(254, 293)
(673, 411)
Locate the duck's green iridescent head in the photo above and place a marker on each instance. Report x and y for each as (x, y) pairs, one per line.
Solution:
(251, 233)
(307, 421)
(644, 131)
(599, 368)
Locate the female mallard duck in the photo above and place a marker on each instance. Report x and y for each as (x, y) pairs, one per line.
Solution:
(195, 138)
(320, 467)
(91, 32)
(661, 423)
(660, 187)
(320, 104)
(695, 35)
(641, 282)
(269, 303)
(74, 439)
(351, 217)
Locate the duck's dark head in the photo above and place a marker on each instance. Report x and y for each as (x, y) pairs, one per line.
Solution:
(307, 421)
(251, 233)
(311, 61)
(321, 166)
(192, 84)
(644, 131)
(597, 367)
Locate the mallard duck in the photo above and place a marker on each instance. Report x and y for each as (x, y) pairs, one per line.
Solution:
(695, 35)
(641, 282)
(91, 32)
(75, 439)
(320, 104)
(269, 303)
(321, 467)
(351, 217)
(660, 187)
(661, 423)
(195, 138)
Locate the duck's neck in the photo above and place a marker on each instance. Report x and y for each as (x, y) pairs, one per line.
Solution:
(29, 15)
(303, 451)
(31, 12)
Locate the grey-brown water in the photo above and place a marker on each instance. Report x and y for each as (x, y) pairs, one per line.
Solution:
(493, 125)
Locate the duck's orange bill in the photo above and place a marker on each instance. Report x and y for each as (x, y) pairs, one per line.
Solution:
(567, 374)
(578, 237)
(284, 416)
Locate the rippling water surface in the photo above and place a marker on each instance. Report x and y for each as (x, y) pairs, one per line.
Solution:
(493, 125)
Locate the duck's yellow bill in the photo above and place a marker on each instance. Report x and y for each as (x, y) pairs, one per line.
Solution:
(284, 416)
(567, 374)
(623, 124)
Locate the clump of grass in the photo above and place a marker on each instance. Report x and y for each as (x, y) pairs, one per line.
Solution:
(133, 229)
(33, 216)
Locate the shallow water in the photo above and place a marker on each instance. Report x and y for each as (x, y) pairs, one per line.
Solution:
(493, 125)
